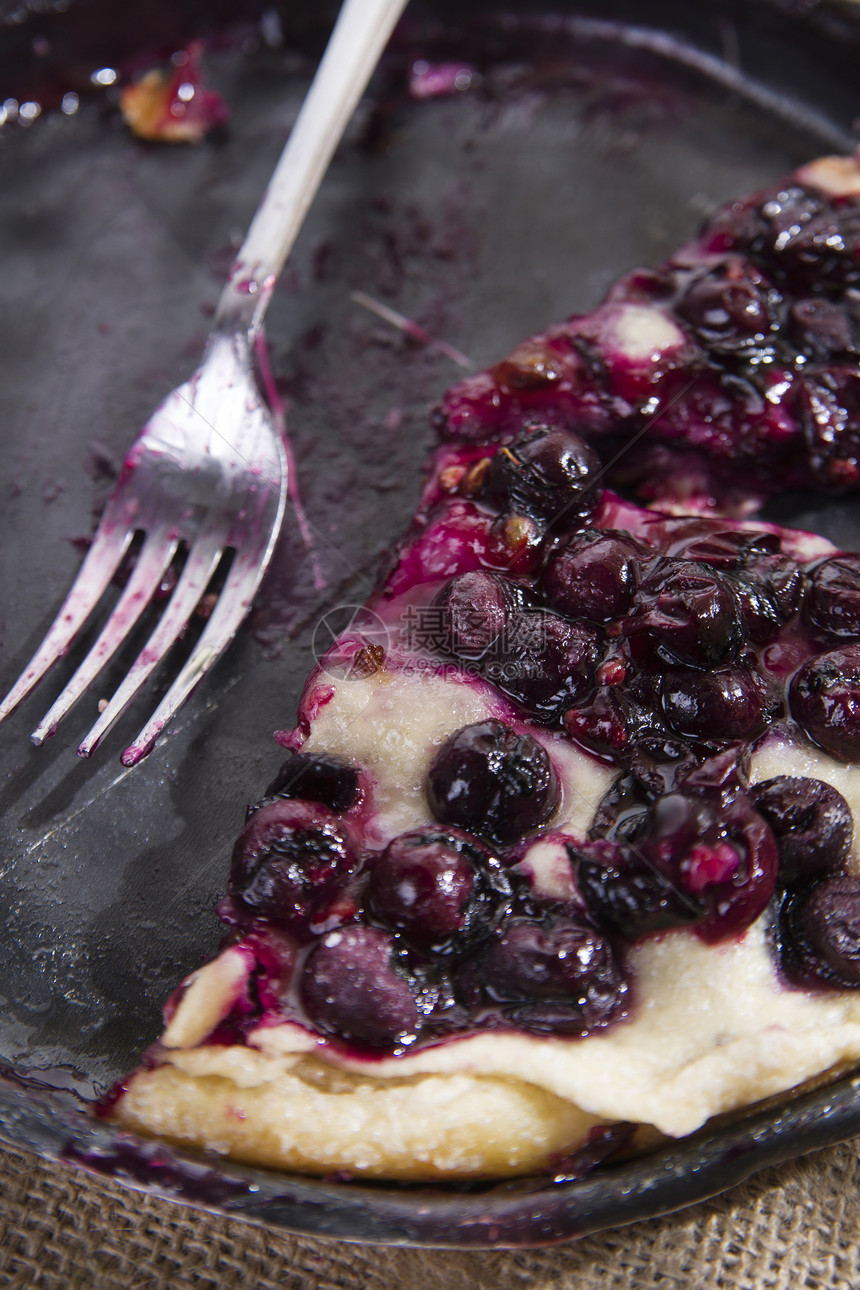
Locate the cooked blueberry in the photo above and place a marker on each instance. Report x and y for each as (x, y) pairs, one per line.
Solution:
(796, 234)
(659, 763)
(592, 576)
(622, 814)
(724, 856)
(628, 894)
(684, 613)
(476, 609)
(549, 660)
(689, 861)
(832, 605)
(828, 402)
(351, 989)
(721, 303)
(286, 861)
(822, 328)
(729, 549)
(431, 884)
(825, 701)
(601, 723)
(726, 704)
(558, 974)
(491, 781)
(547, 472)
(316, 777)
(768, 593)
(820, 934)
(721, 775)
(812, 824)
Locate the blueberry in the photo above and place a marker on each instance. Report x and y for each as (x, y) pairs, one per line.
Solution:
(547, 472)
(722, 855)
(822, 328)
(726, 704)
(720, 776)
(799, 237)
(820, 934)
(812, 824)
(622, 814)
(769, 593)
(476, 609)
(434, 885)
(684, 613)
(601, 723)
(287, 860)
(548, 661)
(628, 894)
(828, 402)
(729, 549)
(721, 303)
(558, 974)
(315, 777)
(592, 576)
(832, 605)
(351, 990)
(690, 861)
(659, 762)
(824, 697)
(491, 781)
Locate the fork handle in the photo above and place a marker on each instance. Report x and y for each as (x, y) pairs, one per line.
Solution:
(354, 48)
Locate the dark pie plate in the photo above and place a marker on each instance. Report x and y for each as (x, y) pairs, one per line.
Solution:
(593, 138)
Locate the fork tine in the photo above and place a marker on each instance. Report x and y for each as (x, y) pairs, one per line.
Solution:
(100, 564)
(233, 604)
(202, 562)
(158, 550)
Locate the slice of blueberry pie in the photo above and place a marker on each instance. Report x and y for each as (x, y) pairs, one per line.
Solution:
(562, 852)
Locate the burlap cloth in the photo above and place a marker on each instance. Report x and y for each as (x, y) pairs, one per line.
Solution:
(796, 1227)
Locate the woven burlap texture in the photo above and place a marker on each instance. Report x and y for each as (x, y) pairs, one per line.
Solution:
(796, 1227)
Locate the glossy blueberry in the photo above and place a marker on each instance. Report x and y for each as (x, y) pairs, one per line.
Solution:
(659, 762)
(722, 854)
(548, 661)
(287, 860)
(493, 782)
(628, 894)
(720, 776)
(798, 235)
(684, 613)
(547, 472)
(822, 328)
(685, 860)
(476, 609)
(828, 403)
(316, 777)
(824, 697)
(812, 824)
(729, 549)
(350, 989)
(726, 704)
(623, 813)
(592, 576)
(433, 885)
(722, 303)
(820, 934)
(601, 723)
(558, 974)
(832, 605)
(769, 593)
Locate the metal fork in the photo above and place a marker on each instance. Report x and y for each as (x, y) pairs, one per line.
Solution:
(208, 472)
